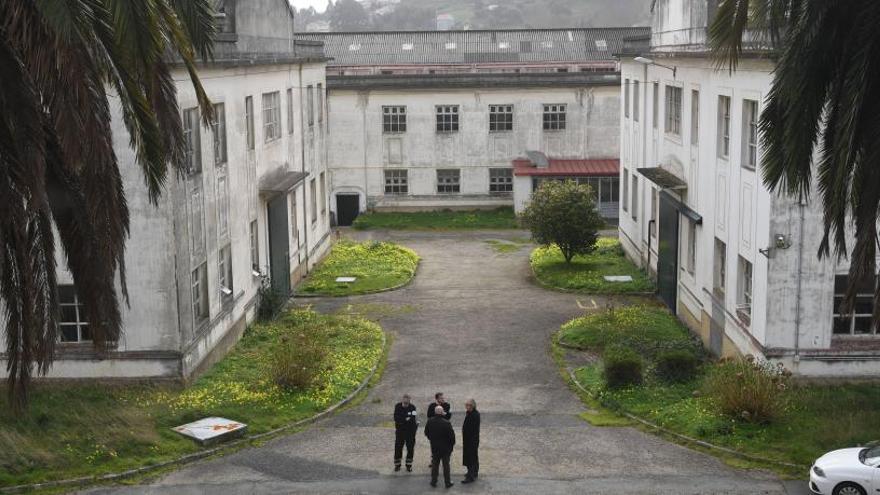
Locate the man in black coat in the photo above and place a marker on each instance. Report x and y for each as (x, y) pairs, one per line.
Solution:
(406, 423)
(470, 441)
(439, 431)
(439, 400)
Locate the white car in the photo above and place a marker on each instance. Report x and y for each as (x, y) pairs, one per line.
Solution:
(854, 471)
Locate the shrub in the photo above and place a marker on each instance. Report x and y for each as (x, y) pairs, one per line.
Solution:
(749, 389)
(299, 358)
(623, 366)
(564, 214)
(677, 365)
(269, 302)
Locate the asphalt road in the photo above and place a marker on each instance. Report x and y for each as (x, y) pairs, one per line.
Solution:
(471, 325)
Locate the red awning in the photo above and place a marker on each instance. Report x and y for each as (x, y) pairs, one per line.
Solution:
(563, 167)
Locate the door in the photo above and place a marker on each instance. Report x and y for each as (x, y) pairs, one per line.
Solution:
(279, 245)
(667, 253)
(347, 208)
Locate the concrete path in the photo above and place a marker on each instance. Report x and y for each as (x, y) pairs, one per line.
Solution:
(470, 325)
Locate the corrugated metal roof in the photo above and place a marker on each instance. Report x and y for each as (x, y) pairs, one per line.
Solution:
(564, 167)
(477, 46)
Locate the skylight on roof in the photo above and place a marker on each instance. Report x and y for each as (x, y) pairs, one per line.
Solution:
(354, 47)
(601, 45)
(450, 45)
(504, 45)
(407, 46)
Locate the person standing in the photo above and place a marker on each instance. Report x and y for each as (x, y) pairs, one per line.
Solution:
(440, 400)
(439, 431)
(470, 441)
(406, 423)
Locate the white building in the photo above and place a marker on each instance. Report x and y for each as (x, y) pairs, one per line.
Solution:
(253, 205)
(427, 120)
(735, 262)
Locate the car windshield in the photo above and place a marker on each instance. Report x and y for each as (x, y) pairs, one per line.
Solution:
(871, 456)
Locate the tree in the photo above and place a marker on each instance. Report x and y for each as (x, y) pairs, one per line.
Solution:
(822, 103)
(348, 15)
(564, 213)
(59, 60)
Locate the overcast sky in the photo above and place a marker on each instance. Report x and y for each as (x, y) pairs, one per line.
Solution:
(319, 5)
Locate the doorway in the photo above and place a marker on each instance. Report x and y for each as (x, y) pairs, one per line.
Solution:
(667, 252)
(279, 245)
(347, 208)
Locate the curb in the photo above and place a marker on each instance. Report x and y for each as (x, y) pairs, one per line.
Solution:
(188, 458)
(375, 291)
(537, 281)
(685, 438)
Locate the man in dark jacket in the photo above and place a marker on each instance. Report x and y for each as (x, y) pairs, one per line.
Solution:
(439, 431)
(440, 400)
(406, 423)
(470, 441)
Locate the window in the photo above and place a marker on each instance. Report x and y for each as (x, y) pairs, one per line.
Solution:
(224, 269)
(744, 295)
(447, 118)
(396, 182)
(609, 191)
(695, 117)
(690, 262)
(673, 110)
(626, 98)
(625, 190)
(313, 188)
(635, 198)
(73, 324)
(723, 126)
(197, 221)
(249, 121)
(719, 277)
(750, 134)
(655, 104)
(271, 116)
(500, 180)
(320, 103)
(255, 246)
(192, 158)
(500, 118)
(294, 223)
(859, 322)
(223, 205)
(635, 97)
(393, 119)
(290, 110)
(654, 212)
(323, 194)
(200, 293)
(218, 131)
(554, 117)
(448, 181)
(310, 104)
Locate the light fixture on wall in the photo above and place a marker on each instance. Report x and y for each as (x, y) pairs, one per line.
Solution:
(780, 241)
(650, 61)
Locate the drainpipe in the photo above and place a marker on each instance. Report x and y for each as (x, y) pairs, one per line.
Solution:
(648, 265)
(797, 306)
(302, 150)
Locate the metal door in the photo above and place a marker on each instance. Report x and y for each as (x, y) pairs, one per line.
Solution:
(347, 208)
(279, 245)
(667, 253)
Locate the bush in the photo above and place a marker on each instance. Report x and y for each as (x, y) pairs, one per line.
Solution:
(564, 214)
(623, 367)
(676, 365)
(269, 302)
(749, 389)
(299, 358)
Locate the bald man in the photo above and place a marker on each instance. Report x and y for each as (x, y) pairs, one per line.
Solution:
(442, 437)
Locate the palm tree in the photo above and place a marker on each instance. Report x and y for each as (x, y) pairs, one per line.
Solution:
(59, 60)
(823, 106)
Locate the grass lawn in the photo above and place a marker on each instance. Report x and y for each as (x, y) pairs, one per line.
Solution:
(818, 418)
(83, 430)
(499, 218)
(377, 266)
(585, 273)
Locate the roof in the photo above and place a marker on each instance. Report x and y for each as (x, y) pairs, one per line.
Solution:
(279, 181)
(474, 46)
(662, 177)
(567, 167)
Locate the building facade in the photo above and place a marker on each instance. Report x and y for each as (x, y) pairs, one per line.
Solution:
(428, 120)
(251, 209)
(736, 262)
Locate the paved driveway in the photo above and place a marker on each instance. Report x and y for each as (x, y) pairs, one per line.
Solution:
(475, 327)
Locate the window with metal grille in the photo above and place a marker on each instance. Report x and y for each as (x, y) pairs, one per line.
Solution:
(719, 277)
(723, 126)
(448, 181)
(200, 293)
(73, 324)
(673, 110)
(218, 132)
(192, 157)
(271, 116)
(500, 118)
(255, 247)
(447, 118)
(249, 121)
(744, 296)
(750, 134)
(396, 181)
(224, 270)
(859, 321)
(554, 117)
(223, 205)
(500, 180)
(394, 119)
